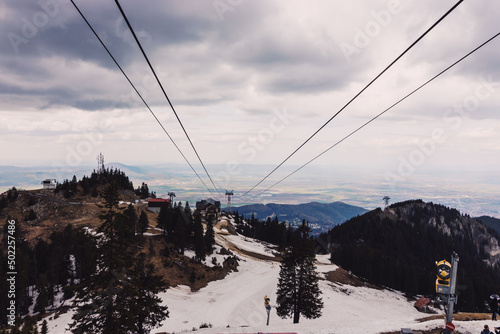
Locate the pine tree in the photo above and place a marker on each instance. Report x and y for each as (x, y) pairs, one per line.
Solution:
(42, 287)
(199, 241)
(98, 298)
(179, 233)
(131, 219)
(188, 216)
(209, 236)
(45, 328)
(111, 300)
(298, 291)
(29, 326)
(142, 302)
(142, 225)
(162, 220)
(170, 221)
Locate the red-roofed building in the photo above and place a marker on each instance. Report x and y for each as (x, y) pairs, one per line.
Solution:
(155, 204)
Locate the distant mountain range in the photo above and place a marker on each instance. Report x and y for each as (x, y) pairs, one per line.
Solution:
(321, 216)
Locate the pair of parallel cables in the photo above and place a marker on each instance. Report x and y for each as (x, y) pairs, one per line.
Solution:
(308, 139)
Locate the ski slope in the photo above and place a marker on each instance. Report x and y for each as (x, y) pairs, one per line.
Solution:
(236, 304)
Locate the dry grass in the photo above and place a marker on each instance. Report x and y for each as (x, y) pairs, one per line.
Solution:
(179, 269)
(344, 277)
(431, 331)
(459, 317)
(456, 317)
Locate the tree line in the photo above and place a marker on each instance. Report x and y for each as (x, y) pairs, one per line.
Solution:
(268, 230)
(183, 228)
(90, 185)
(80, 264)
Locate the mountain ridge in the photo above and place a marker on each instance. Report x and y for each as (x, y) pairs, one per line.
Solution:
(398, 247)
(321, 216)
(490, 222)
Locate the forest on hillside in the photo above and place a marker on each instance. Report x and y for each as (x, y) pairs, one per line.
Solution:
(53, 270)
(399, 251)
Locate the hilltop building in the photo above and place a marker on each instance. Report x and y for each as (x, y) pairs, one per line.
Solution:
(49, 184)
(155, 204)
(208, 208)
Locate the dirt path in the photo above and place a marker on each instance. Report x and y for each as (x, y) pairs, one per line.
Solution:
(225, 242)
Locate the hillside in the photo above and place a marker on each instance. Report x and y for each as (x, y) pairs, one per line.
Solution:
(398, 247)
(321, 216)
(235, 303)
(490, 222)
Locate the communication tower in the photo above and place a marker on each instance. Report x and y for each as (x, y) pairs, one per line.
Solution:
(100, 163)
(386, 201)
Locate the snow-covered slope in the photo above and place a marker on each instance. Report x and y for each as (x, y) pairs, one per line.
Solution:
(236, 304)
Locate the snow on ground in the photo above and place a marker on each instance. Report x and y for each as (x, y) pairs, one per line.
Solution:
(219, 258)
(238, 302)
(236, 305)
(249, 244)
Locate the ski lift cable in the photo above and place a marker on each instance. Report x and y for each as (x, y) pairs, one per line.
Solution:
(139, 94)
(383, 112)
(359, 93)
(165, 93)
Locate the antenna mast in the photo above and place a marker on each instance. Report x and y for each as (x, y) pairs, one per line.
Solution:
(100, 163)
(386, 201)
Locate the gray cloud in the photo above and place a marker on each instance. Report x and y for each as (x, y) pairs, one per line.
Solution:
(244, 62)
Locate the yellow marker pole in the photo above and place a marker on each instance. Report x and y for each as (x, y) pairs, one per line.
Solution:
(268, 308)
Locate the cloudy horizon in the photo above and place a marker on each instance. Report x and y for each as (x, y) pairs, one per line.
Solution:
(251, 81)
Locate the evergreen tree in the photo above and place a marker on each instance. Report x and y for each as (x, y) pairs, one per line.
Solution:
(298, 291)
(170, 222)
(161, 220)
(45, 328)
(142, 225)
(143, 191)
(199, 241)
(74, 185)
(188, 217)
(131, 219)
(105, 301)
(29, 326)
(142, 302)
(42, 301)
(85, 185)
(179, 233)
(98, 299)
(209, 236)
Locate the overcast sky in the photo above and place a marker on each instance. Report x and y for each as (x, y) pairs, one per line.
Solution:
(251, 81)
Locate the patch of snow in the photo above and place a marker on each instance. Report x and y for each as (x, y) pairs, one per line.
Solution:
(250, 245)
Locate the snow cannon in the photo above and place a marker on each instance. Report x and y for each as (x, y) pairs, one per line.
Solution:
(443, 273)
